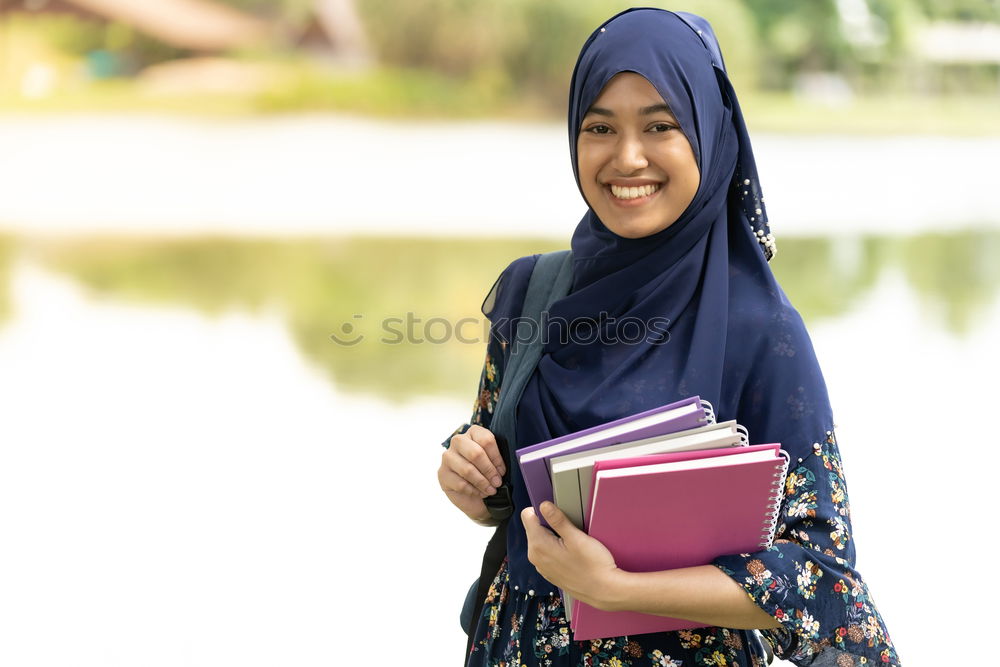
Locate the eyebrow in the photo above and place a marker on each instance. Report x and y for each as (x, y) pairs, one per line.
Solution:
(644, 111)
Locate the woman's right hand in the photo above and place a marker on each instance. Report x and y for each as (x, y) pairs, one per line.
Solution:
(472, 469)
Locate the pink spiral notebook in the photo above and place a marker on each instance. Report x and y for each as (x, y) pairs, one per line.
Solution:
(669, 511)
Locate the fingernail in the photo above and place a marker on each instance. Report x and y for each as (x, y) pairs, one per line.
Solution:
(490, 491)
(496, 481)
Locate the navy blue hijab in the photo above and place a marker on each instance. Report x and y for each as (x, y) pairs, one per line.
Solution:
(731, 335)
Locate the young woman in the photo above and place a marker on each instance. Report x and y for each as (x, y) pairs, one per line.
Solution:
(675, 231)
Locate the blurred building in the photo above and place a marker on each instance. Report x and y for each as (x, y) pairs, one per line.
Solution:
(966, 43)
(169, 44)
(958, 55)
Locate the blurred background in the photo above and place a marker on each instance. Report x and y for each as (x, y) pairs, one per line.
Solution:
(238, 239)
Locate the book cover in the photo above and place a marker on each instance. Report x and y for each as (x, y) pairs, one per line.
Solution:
(678, 514)
(735, 455)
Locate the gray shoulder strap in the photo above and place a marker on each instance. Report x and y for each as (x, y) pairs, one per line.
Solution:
(550, 280)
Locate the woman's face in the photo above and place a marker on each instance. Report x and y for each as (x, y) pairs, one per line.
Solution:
(637, 169)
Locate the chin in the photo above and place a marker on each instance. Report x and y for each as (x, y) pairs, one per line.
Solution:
(635, 231)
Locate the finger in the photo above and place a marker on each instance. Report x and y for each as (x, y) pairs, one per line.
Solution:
(488, 442)
(467, 471)
(474, 452)
(451, 481)
(539, 539)
(531, 525)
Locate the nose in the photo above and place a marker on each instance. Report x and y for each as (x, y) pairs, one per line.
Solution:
(630, 154)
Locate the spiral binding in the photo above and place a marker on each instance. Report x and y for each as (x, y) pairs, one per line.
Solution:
(709, 411)
(744, 434)
(777, 496)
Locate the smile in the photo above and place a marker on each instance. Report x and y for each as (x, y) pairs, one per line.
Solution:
(633, 196)
(634, 193)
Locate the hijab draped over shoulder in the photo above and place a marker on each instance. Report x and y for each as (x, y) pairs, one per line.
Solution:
(716, 323)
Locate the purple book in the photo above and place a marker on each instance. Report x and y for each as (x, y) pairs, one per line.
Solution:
(687, 413)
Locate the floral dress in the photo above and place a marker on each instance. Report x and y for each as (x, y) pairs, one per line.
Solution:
(806, 581)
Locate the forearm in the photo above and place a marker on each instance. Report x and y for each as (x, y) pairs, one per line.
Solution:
(702, 594)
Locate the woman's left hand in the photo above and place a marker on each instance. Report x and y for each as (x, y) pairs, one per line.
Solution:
(572, 560)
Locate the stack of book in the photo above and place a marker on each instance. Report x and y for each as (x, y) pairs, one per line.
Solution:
(663, 489)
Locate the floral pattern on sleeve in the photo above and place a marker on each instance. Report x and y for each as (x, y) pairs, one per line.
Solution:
(489, 390)
(807, 580)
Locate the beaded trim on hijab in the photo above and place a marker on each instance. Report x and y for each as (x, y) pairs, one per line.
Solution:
(753, 202)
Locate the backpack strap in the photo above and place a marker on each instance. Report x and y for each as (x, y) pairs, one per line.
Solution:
(550, 280)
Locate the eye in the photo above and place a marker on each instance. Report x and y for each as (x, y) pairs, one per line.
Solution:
(663, 127)
(598, 129)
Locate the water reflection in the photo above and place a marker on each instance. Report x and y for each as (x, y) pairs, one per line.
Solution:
(396, 301)
(955, 275)
(374, 286)
(824, 276)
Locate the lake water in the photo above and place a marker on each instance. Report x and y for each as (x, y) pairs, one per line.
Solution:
(325, 173)
(193, 473)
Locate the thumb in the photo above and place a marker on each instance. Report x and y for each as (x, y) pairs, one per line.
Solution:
(557, 519)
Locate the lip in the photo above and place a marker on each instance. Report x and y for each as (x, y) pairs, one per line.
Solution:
(632, 182)
(632, 203)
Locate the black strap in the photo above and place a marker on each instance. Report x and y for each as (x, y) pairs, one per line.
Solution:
(550, 280)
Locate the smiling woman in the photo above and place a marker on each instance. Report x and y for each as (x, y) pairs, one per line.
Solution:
(638, 171)
(675, 230)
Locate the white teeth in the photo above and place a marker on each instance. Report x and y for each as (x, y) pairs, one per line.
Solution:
(634, 193)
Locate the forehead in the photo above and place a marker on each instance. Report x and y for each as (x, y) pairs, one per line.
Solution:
(629, 91)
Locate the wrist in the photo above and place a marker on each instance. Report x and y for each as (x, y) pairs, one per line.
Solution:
(615, 592)
(483, 517)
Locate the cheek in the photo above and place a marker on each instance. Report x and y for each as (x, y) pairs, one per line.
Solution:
(587, 167)
(684, 170)
(585, 164)
(690, 166)
(693, 179)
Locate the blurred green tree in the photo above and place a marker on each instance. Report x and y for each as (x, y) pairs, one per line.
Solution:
(798, 36)
(525, 45)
